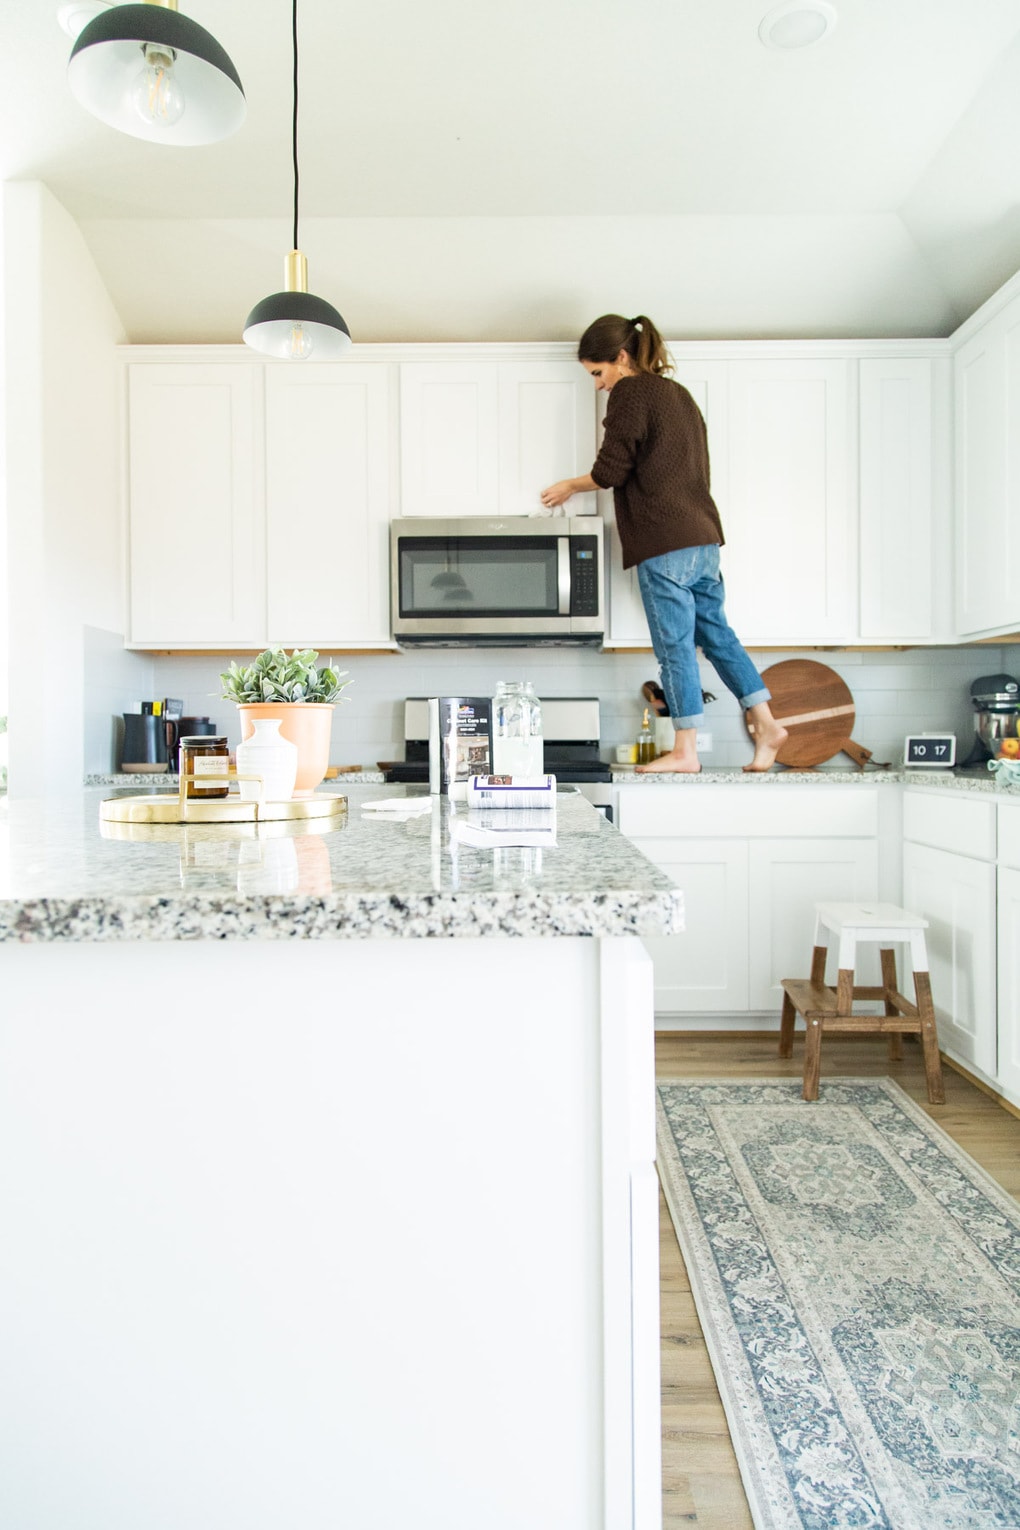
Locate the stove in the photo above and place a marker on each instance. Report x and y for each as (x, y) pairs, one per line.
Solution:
(570, 725)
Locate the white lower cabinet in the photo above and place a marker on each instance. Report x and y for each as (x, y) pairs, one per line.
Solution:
(705, 968)
(1008, 1061)
(752, 862)
(788, 878)
(1008, 964)
(956, 895)
(949, 877)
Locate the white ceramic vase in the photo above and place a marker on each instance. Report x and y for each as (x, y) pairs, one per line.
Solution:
(268, 754)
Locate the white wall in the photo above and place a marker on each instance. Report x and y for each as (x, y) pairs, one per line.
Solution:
(62, 480)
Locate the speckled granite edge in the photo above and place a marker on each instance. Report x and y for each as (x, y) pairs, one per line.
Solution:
(944, 781)
(164, 778)
(345, 916)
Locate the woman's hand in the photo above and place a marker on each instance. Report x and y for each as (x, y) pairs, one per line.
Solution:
(559, 493)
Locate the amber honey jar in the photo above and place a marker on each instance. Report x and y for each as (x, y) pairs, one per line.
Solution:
(203, 755)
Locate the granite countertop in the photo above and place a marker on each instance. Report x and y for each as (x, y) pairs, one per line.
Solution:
(974, 779)
(63, 876)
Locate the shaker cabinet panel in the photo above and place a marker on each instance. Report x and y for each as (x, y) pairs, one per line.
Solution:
(957, 896)
(987, 409)
(787, 879)
(1008, 1038)
(449, 438)
(546, 432)
(328, 466)
(791, 557)
(195, 513)
(897, 498)
(705, 968)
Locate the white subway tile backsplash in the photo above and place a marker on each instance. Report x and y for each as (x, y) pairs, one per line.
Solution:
(894, 693)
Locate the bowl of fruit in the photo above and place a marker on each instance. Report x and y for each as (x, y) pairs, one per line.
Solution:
(1006, 765)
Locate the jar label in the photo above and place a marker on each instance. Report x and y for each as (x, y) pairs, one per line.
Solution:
(208, 765)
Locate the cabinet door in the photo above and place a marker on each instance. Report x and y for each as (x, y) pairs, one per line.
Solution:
(896, 500)
(789, 515)
(1008, 1056)
(987, 399)
(957, 897)
(705, 968)
(546, 432)
(787, 878)
(327, 503)
(449, 438)
(196, 513)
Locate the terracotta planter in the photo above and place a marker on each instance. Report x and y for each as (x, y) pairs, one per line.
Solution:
(308, 724)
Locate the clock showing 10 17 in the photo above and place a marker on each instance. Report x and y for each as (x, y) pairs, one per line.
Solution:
(930, 749)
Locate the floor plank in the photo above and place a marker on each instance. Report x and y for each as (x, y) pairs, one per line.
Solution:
(700, 1481)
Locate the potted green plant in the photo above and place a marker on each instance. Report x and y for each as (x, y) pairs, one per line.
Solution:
(297, 690)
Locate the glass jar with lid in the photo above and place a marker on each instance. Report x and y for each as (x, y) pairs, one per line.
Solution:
(204, 755)
(517, 748)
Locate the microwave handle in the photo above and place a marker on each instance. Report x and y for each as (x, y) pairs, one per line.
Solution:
(563, 574)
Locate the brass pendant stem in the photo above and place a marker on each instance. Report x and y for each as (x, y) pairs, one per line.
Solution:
(167, 5)
(295, 272)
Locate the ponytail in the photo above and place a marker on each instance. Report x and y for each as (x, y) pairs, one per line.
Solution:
(607, 337)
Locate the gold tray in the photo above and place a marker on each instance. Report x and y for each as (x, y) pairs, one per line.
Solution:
(223, 810)
(183, 809)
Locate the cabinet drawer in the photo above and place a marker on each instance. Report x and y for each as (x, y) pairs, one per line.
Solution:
(747, 812)
(963, 825)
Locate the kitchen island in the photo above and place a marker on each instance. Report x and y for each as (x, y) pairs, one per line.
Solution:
(328, 1193)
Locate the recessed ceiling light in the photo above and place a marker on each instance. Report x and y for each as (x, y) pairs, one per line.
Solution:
(797, 24)
(77, 15)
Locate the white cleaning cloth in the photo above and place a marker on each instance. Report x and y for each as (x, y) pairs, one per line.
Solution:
(403, 807)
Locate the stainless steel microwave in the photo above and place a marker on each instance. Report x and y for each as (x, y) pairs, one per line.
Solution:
(508, 581)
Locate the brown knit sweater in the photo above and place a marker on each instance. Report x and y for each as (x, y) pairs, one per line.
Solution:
(654, 457)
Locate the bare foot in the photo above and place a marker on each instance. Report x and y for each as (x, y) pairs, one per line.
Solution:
(769, 738)
(678, 761)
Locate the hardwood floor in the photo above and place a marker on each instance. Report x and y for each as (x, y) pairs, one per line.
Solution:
(700, 1481)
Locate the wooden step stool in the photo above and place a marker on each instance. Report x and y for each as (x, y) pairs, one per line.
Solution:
(827, 1009)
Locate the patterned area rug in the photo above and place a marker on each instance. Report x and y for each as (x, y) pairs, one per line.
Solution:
(857, 1277)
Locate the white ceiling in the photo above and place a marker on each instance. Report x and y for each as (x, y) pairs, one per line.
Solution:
(869, 184)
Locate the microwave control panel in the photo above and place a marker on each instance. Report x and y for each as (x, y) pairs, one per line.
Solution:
(584, 576)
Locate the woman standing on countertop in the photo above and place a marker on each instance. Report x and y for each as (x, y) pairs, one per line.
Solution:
(654, 457)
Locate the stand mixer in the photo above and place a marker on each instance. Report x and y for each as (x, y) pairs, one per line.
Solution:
(996, 703)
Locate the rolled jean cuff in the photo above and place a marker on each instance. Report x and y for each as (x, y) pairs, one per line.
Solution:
(688, 722)
(755, 698)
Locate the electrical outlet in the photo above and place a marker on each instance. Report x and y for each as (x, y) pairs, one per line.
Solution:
(704, 743)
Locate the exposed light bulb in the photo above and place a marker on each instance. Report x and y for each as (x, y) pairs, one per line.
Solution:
(300, 346)
(158, 97)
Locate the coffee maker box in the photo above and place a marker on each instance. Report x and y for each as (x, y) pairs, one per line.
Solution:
(460, 739)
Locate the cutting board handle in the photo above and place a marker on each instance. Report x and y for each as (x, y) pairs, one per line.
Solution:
(862, 756)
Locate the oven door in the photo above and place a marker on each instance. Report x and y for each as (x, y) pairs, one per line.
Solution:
(473, 580)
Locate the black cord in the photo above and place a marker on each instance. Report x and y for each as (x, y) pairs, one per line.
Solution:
(294, 246)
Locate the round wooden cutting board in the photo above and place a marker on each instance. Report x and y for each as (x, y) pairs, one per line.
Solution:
(816, 707)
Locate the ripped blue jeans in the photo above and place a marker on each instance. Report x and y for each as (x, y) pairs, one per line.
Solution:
(682, 593)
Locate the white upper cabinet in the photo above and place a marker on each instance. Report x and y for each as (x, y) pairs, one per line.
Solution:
(486, 437)
(449, 438)
(905, 527)
(329, 460)
(790, 560)
(987, 410)
(195, 512)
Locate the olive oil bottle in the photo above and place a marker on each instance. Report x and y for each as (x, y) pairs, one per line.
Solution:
(645, 742)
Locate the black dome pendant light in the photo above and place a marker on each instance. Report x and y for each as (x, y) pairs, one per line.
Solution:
(294, 324)
(154, 74)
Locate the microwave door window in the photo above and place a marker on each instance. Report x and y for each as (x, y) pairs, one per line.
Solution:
(485, 577)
